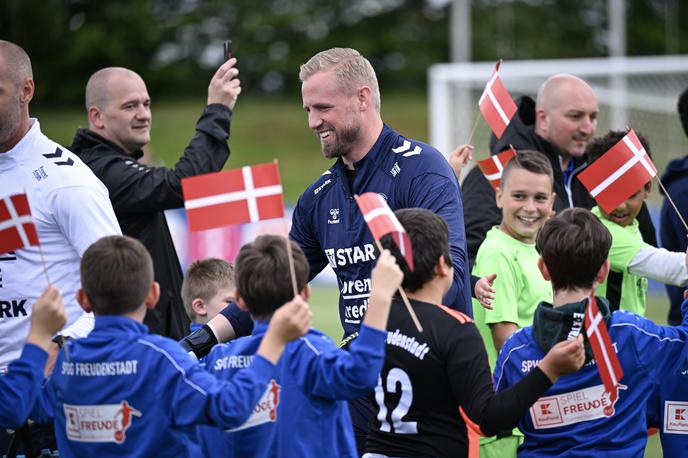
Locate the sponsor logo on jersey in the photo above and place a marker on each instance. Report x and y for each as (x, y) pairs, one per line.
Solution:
(58, 158)
(395, 169)
(99, 423)
(319, 188)
(39, 174)
(233, 362)
(573, 407)
(13, 308)
(334, 216)
(265, 410)
(410, 344)
(341, 257)
(676, 417)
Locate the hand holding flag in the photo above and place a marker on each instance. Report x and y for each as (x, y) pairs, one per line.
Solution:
(496, 104)
(493, 166)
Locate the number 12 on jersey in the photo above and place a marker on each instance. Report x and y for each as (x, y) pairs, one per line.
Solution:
(397, 382)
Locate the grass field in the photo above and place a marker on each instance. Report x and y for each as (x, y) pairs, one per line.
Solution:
(265, 129)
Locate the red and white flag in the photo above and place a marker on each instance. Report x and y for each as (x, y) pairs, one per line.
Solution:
(619, 173)
(382, 221)
(608, 363)
(496, 104)
(493, 166)
(235, 196)
(16, 225)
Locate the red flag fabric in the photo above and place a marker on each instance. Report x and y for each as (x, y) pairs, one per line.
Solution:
(496, 104)
(381, 221)
(493, 166)
(247, 194)
(608, 363)
(619, 173)
(16, 225)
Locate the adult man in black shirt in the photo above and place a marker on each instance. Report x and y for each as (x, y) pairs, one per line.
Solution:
(435, 393)
(119, 118)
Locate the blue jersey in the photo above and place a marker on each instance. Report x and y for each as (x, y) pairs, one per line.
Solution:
(576, 417)
(329, 227)
(124, 392)
(20, 386)
(303, 411)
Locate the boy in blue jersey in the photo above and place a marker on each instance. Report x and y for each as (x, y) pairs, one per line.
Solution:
(303, 410)
(20, 385)
(577, 417)
(124, 392)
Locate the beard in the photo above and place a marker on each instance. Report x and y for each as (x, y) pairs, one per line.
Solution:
(10, 123)
(345, 139)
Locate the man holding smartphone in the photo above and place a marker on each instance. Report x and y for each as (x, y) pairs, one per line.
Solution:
(119, 118)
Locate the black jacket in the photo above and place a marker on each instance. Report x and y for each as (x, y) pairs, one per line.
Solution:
(479, 206)
(139, 194)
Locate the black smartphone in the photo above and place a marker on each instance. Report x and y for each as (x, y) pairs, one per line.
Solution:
(227, 45)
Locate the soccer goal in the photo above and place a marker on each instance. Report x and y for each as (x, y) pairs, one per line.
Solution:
(639, 92)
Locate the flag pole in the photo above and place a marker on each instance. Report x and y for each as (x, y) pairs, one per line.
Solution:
(290, 254)
(671, 201)
(475, 126)
(45, 266)
(404, 298)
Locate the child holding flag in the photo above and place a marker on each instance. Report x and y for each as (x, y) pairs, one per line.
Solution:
(632, 260)
(579, 416)
(303, 411)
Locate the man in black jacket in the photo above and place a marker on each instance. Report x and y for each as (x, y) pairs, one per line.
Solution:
(560, 124)
(119, 118)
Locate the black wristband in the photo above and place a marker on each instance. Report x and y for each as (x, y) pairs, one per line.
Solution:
(200, 341)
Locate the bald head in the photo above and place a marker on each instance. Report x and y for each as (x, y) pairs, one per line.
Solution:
(566, 114)
(99, 86)
(15, 62)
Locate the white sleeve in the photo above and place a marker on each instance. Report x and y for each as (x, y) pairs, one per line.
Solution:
(668, 267)
(84, 214)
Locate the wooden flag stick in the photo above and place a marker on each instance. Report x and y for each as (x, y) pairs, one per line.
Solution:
(292, 271)
(404, 298)
(45, 266)
(671, 201)
(475, 126)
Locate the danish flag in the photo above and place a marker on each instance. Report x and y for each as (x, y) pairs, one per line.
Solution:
(607, 362)
(382, 221)
(493, 166)
(17, 229)
(619, 173)
(247, 194)
(496, 104)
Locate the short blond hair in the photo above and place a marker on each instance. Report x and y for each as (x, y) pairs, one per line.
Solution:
(203, 280)
(350, 68)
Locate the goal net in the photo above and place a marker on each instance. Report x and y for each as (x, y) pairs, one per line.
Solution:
(639, 92)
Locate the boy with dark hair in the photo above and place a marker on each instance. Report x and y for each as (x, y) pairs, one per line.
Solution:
(525, 196)
(578, 417)
(632, 260)
(208, 288)
(430, 376)
(124, 392)
(303, 411)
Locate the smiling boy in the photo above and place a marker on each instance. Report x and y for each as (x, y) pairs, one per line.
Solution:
(526, 198)
(632, 260)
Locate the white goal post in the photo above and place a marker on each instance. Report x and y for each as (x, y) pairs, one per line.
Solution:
(639, 92)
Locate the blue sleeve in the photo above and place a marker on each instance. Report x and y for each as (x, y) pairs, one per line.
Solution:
(323, 370)
(302, 233)
(19, 388)
(197, 397)
(442, 195)
(241, 321)
(658, 348)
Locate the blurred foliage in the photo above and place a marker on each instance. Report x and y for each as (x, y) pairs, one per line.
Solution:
(176, 44)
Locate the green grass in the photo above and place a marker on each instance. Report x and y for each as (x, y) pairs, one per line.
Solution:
(262, 130)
